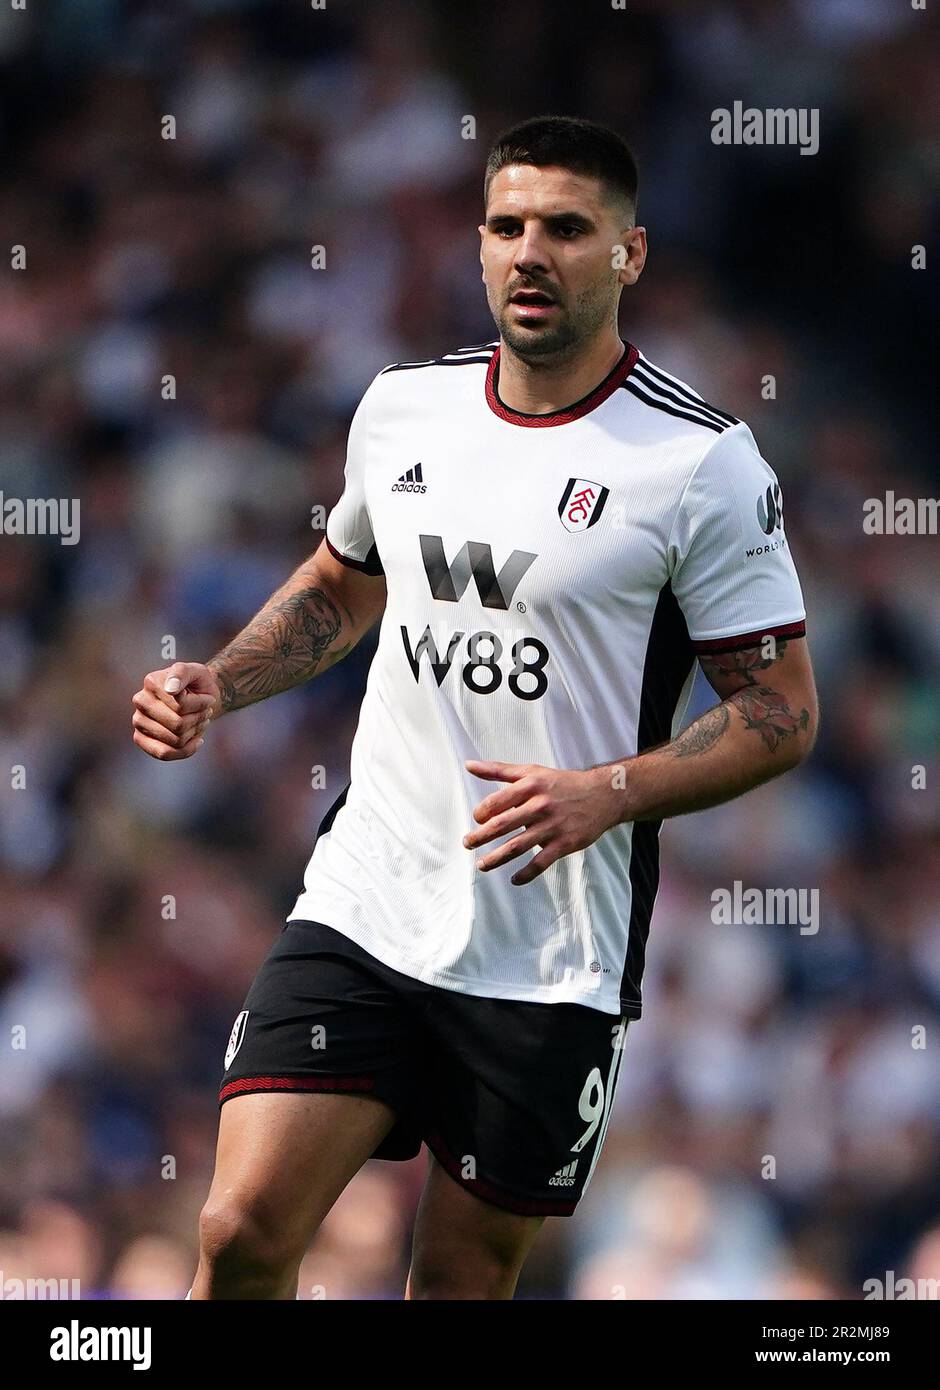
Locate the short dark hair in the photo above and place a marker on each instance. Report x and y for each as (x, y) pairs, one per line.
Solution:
(572, 143)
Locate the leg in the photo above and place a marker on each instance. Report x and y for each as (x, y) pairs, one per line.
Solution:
(465, 1247)
(525, 1089)
(317, 1072)
(282, 1161)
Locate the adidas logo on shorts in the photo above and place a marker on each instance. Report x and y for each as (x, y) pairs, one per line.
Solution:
(565, 1176)
(412, 481)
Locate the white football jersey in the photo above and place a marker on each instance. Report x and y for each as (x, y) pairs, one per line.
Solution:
(550, 581)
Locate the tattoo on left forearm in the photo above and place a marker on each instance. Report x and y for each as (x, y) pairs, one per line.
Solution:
(768, 712)
(764, 710)
(703, 734)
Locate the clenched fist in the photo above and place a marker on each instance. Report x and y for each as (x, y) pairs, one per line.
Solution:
(173, 709)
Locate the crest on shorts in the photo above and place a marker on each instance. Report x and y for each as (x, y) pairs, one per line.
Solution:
(236, 1039)
(581, 504)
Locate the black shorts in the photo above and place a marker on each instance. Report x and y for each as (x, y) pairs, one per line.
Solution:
(512, 1098)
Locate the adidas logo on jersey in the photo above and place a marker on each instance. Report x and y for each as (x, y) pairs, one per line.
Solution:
(565, 1176)
(412, 481)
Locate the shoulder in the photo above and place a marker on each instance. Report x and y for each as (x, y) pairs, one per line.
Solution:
(405, 385)
(478, 354)
(671, 407)
(716, 458)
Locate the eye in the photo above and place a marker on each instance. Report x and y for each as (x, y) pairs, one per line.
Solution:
(568, 230)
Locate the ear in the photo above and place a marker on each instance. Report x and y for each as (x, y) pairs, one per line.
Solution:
(634, 240)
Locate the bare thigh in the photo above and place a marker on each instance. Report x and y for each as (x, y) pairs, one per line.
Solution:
(465, 1247)
(281, 1162)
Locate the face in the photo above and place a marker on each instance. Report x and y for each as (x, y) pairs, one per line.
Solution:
(547, 251)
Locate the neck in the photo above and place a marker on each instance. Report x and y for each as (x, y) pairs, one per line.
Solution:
(541, 388)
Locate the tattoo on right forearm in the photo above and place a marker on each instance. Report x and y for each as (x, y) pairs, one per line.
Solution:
(288, 642)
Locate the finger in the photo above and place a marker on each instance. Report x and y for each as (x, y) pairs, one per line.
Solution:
(153, 729)
(496, 772)
(162, 752)
(188, 708)
(182, 674)
(535, 866)
(525, 814)
(191, 703)
(510, 850)
(516, 794)
(169, 686)
(153, 684)
(152, 708)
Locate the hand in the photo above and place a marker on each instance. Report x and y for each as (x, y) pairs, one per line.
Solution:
(173, 708)
(558, 811)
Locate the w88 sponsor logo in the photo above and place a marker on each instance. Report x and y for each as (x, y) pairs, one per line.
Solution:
(484, 657)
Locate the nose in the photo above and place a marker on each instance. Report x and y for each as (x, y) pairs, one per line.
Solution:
(531, 251)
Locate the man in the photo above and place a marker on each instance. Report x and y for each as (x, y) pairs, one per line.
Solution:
(553, 529)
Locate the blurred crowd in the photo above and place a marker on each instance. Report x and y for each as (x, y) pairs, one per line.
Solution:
(170, 357)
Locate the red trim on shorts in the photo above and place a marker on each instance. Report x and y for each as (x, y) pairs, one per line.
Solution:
(522, 1206)
(750, 639)
(295, 1083)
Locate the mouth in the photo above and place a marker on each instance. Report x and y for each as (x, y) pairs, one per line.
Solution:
(532, 304)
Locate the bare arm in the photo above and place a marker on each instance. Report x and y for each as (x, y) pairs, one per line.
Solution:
(765, 724)
(308, 625)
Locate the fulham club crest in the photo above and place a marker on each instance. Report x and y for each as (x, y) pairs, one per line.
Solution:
(236, 1039)
(581, 504)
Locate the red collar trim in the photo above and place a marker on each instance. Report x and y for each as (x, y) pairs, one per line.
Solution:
(572, 412)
